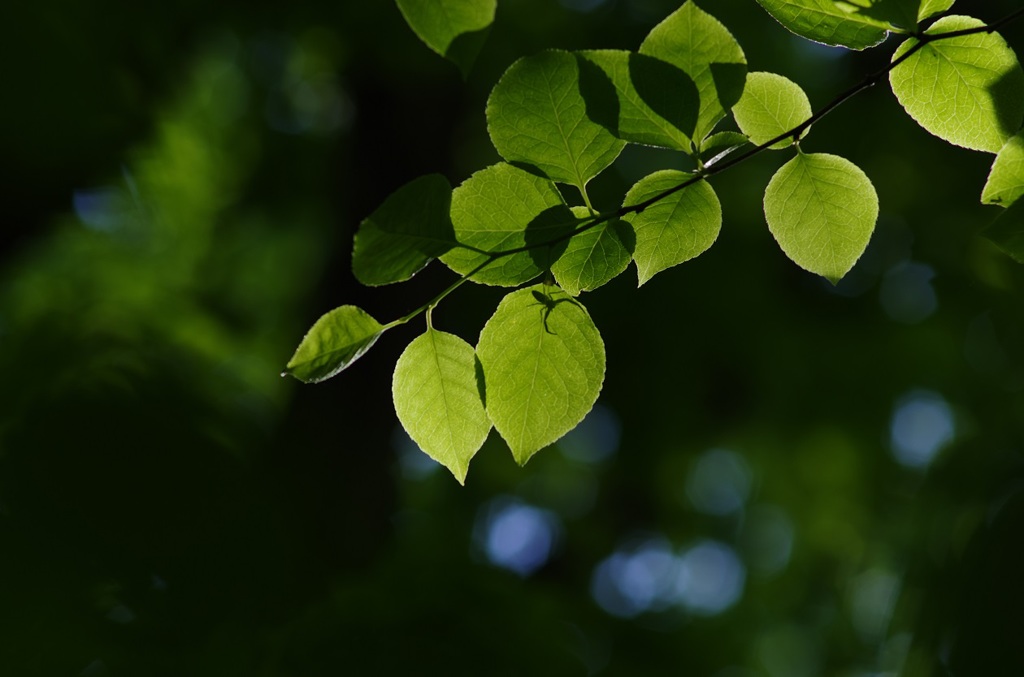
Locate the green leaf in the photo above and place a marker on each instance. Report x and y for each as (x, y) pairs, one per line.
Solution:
(822, 21)
(536, 116)
(676, 228)
(595, 256)
(455, 29)
(1006, 180)
(334, 342)
(639, 98)
(967, 90)
(543, 363)
(501, 208)
(822, 210)
(439, 400)
(694, 41)
(771, 105)
(720, 144)
(412, 227)
(1007, 231)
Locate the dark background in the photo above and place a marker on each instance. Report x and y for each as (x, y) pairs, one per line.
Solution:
(782, 479)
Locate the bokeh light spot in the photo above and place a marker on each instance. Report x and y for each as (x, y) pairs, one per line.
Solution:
(921, 426)
(719, 482)
(710, 578)
(516, 536)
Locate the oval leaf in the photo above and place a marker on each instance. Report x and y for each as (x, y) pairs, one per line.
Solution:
(639, 98)
(967, 90)
(334, 342)
(543, 362)
(455, 29)
(771, 105)
(536, 115)
(412, 227)
(439, 400)
(675, 229)
(822, 210)
(501, 208)
(696, 42)
(595, 256)
(825, 22)
(1006, 180)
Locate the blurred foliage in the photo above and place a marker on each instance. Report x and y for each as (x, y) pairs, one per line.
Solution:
(182, 186)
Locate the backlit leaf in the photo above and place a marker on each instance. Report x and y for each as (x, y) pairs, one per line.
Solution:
(501, 208)
(412, 227)
(455, 29)
(825, 22)
(1006, 180)
(771, 105)
(537, 116)
(967, 90)
(438, 398)
(595, 256)
(822, 210)
(543, 362)
(335, 341)
(694, 41)
(676, 228)
(639, 98)
(1007, 232)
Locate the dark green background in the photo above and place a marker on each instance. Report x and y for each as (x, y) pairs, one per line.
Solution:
(181, 183)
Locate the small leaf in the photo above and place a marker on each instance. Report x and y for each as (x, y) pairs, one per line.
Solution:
(771, 105)
(501, 208)
(412, 227)
(676, 228)
(1007, 231)
(334, 342)
(543, 362)
(537, 116)
(455, 29)
(595, 256)
(720, 144)
(822, 210)
(639, 98)
(967, 90)
(823, 21)
(439, 401)
(1006, 180)
(694, 41)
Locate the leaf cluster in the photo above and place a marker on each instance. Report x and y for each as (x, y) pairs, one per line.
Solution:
(558, 119)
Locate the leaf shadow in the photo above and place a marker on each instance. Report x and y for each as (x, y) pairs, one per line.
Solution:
(729, 79)
(1007, 100)
(667, 90)
(547, 235)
